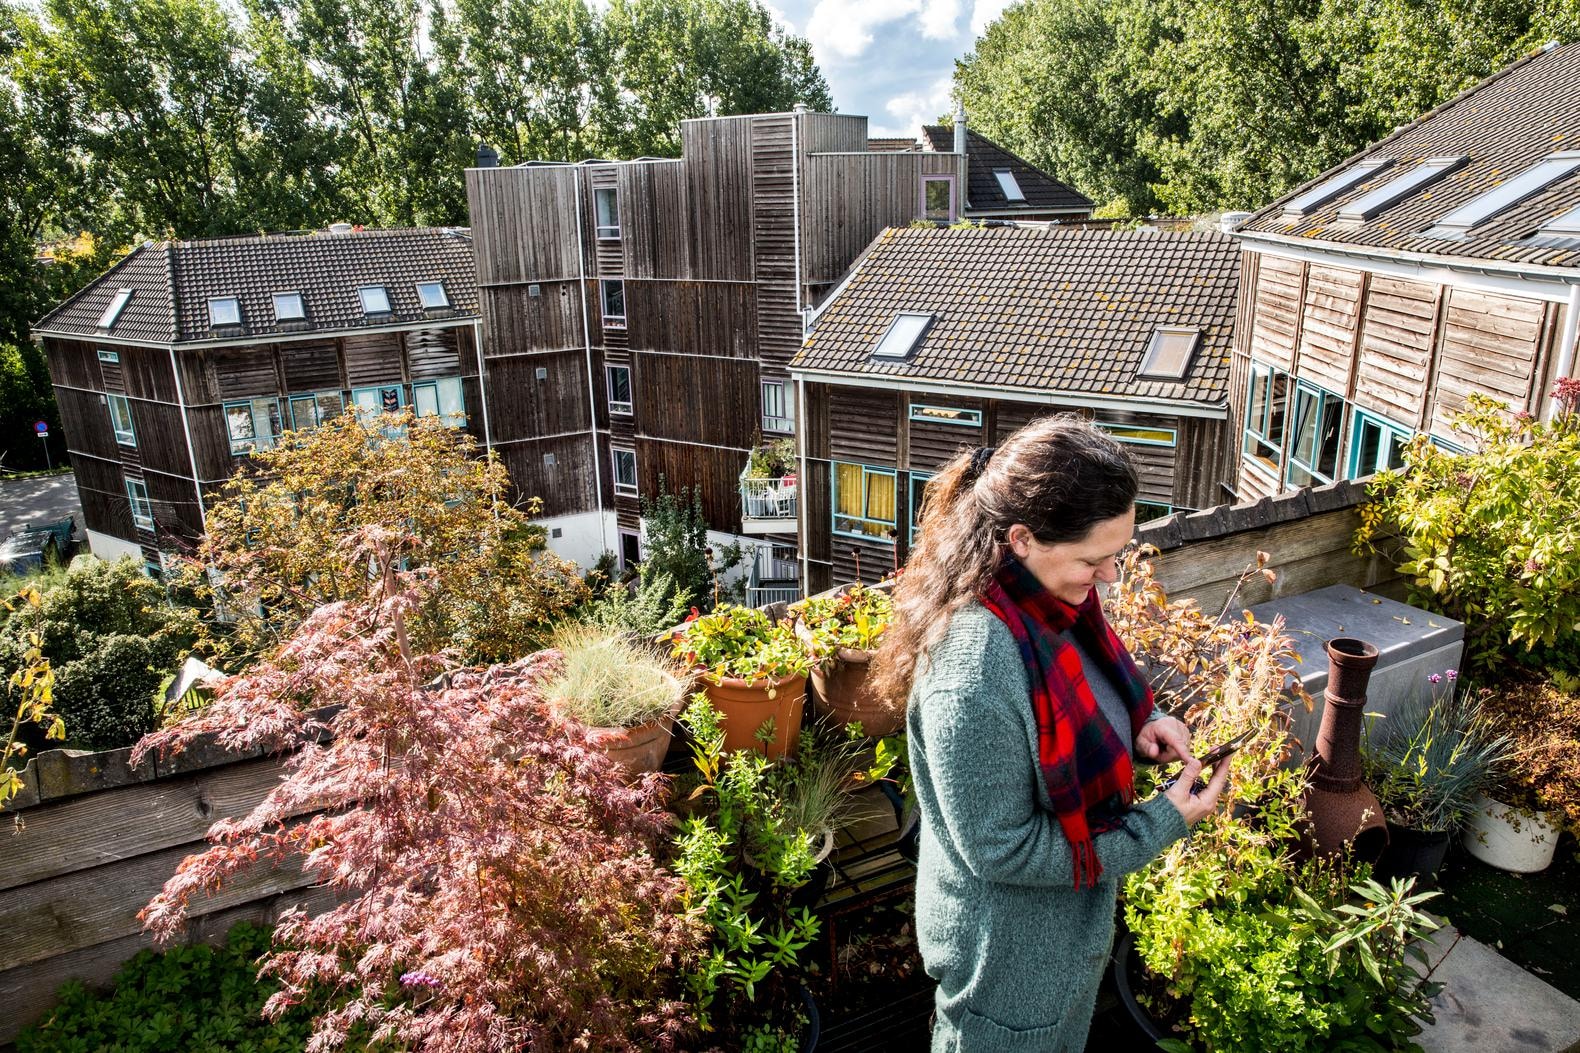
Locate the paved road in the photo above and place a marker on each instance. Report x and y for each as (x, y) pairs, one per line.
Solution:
(42, 498)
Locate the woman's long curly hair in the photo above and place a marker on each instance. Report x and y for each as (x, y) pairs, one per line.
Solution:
(1059, 475)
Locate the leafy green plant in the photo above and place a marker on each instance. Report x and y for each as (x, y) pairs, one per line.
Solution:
(855, 619)
(31, 687)
(655, 605)
(607, 680)
(771, 460)
(675, 543)
(1491, 537)
(1429, 759)
(742, 853)
(189, 997)
(740, 642)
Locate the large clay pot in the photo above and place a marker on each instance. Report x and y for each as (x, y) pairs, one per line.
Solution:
(639, 749)
(841, 692)
(1510, 838)
(745, 707)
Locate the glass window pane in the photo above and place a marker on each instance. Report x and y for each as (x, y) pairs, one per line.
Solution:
(224, 310)
(288, 307)
(452, 401)
(1396, 446)
(899, 340)
(1007, 183)
(1304, 443)
(425, 399)
(432, 295)
(330, 405)
(620, 385)
(1506, 194)
(1368, 446)
(1277, 406)
(613, 299)
(938, 197)
(374, 299)
(847, 489)
(1168, 356)
(1328, 438)
(1256, 412)
(238, 421)
(606, 202)
(1374, 201)
(1335, 185)
(880, 496)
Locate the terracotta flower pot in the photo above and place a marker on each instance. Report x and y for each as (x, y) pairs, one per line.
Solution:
(745, 707)
(842, 690)
(640, 749)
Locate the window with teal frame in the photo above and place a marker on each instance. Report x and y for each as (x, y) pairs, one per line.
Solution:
(442, 398)
(384, 398)
(1266, 411)
(1376, 443)
(864, 500)
(309, 411)
(966, 418)
(1315, 436)
(918, 494)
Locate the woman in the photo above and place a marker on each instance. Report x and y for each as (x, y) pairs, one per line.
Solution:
(1025, 711)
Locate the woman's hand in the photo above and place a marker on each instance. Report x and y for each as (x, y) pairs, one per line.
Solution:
(1164, 740)
(1194, 807)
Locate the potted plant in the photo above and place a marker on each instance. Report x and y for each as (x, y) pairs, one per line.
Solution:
(753, 669)
(747, 853)
(622, 691)
(1428, 762)
(842, 630)
(1516, 824)
(773, 460)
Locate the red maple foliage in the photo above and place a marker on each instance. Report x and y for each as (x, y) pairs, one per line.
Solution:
(497, 883)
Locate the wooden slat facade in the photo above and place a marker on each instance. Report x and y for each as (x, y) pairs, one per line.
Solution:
(848, 198)
(1406, 350)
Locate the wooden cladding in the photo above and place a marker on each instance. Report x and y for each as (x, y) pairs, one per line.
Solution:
(1395, 359)
(848, 198)
(86, 421)
(432, 353)
(311, 367)
(244, 372)
(565, 486)
(372, 359)
(693, 318)
(1490, 344)
(515, 321)
(524, 405)
(712, 401)
(524, 225)
(1327, 330)
(712, 472)
(864, 425)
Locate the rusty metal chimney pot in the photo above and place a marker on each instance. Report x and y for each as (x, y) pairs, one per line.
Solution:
(1343, 810)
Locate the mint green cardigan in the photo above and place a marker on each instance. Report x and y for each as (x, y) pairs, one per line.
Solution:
(1017, 951)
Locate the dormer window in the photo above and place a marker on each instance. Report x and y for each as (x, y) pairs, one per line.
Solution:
(288, 307)
(1008, 184)
(432, 295)
(375, 300)
(112, 312)
(902, 336)
(1169, 354)
(1334, 186)
(1375, 201)
(1505, 195)
(223, 311)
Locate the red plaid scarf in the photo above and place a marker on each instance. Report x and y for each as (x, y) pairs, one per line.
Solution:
(1085, 765)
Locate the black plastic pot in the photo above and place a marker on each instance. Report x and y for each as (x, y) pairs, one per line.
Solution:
(1124, 965)
(909, 836)
(1413, 853)
(814, 1022)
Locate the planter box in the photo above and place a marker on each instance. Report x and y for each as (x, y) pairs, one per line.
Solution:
(1411, 644)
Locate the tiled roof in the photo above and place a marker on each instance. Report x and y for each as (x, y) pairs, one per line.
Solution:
(1049, 309)
(1503, 125)
(983, 193)
(172, 283)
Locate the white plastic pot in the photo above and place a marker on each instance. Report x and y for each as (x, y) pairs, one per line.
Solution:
(1510, 838)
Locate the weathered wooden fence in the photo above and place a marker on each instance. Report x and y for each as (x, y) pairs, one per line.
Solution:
(99, 838)
(90, 841)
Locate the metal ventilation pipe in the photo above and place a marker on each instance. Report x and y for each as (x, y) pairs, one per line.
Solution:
(1344, 813)
(960, 127)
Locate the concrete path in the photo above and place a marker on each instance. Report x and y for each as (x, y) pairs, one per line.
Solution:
(1491, 1005)
(42, 498)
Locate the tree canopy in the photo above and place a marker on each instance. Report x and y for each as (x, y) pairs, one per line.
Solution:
(1190, 106)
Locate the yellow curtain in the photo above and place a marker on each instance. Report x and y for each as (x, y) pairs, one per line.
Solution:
(880, 497)
(847, 489)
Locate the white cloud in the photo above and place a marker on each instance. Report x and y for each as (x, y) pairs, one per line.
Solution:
(908, 112)
(986, 11)
(842, 29)
(938, 19)
(781, 19)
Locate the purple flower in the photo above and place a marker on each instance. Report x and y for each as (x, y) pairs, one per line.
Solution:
(1452, 674)
(419, 979)
(1435, 678)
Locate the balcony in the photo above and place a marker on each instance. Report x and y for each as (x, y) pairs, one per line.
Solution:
(768, 495)
(774, 577)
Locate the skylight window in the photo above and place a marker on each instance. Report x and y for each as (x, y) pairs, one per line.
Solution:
(288, 307)
(1374, 201)
(223, 310)
(112, 312)
(902, 336)
(1506, 195)
(375, 300)
(1007, 183)
(1334, 186)
(1169, 354)
(432, 295)
(1565, 226)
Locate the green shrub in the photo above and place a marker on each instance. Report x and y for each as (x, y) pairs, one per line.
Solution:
(1491, 537)
(111, 636)
(197, 999)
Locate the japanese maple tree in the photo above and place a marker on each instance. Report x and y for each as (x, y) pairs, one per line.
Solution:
(497, 882)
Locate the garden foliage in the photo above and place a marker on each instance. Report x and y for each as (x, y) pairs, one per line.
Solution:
(111, 638)
(1491, 537)
(497, 882)
(675, 545)
(29, 690)
(277, 540)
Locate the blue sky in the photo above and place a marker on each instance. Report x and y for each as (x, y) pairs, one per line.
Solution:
(889, 59)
